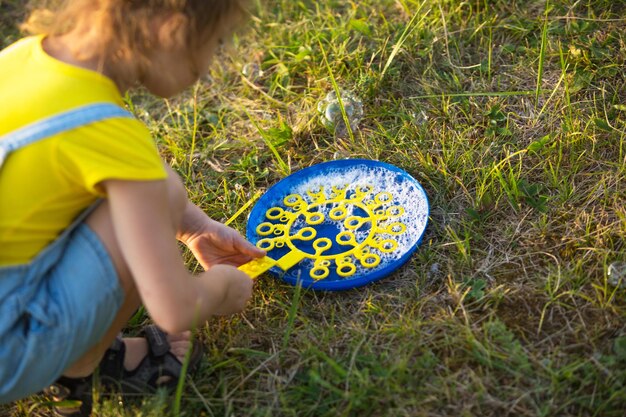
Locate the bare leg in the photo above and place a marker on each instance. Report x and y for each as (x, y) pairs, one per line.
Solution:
(100, 222)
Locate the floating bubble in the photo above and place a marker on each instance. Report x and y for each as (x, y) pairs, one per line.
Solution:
(331, 116)
(616, 274)
(419, 117)
(252, 71)
(435, 270)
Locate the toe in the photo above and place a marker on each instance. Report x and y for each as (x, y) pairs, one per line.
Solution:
(180, 348)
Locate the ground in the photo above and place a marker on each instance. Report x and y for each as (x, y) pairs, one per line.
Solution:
(511, 114)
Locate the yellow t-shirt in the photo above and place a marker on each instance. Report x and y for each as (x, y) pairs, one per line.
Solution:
(44, 186)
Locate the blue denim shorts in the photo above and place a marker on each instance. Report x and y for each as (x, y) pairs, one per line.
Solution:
(54, 309)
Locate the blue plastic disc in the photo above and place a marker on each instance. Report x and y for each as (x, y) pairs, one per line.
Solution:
(353, 221)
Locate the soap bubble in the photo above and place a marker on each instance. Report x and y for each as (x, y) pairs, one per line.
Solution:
(419, 117)
(329, 110)
(616, 274)
(252, 71)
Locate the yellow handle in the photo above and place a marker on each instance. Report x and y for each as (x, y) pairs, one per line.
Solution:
(257, 266)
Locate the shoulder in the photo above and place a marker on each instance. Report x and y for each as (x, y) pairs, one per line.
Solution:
(116, 148)
(117, 137)
(20, 46)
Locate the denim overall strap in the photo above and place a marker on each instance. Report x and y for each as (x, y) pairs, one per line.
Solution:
(58, 123)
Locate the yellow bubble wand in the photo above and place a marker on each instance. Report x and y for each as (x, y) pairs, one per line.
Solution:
(279, 231)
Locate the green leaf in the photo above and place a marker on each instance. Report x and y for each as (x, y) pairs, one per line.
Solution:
(602, 124)
(582, 80)
(304, 54)
(361, 26)
(477, 288)
(538, 145)
(278, 136)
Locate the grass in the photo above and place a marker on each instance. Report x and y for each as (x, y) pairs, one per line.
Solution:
(512, 115)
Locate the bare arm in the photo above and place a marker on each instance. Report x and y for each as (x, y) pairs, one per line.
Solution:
(146, 232)
(213, 243)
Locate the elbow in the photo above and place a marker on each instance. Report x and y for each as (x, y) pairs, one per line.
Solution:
(171, 325)
(172, 318)
(178, 309)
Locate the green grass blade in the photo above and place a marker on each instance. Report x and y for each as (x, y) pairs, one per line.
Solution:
(542, 52)
(413, 23)
(337, 90)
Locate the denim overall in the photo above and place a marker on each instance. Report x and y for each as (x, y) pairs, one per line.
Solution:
(33, 329)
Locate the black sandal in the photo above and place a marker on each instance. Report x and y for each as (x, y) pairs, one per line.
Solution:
(158, 364)
(72, 396)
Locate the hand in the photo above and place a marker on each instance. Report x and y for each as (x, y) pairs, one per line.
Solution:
(213, 243)
(234, 286)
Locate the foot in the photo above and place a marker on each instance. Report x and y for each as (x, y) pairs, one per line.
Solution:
(150, 362)
(137, 350)
(144, 364)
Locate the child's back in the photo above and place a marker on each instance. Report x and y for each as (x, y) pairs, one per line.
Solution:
(46, 185)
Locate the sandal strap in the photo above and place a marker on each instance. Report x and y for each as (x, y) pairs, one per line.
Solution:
(159, 362)
(157, 341)
(112, 364)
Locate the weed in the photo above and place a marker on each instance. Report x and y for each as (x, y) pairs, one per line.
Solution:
(512, 116)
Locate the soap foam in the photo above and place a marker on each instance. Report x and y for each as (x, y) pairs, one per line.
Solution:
(405, 192)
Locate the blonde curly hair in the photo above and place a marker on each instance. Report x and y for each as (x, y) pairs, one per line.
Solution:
(125, 25)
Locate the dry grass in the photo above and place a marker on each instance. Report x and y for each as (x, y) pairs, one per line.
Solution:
(505, 309)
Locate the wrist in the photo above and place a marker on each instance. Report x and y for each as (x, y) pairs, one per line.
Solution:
(194, 219)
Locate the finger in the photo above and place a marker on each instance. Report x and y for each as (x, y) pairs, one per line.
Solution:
(236, 260)
(249, 249)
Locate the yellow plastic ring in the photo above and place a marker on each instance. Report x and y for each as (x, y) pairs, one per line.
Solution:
(322, 244)
(338, 213)
(383, 197)
(274, 213)
(344, 260)
(396, 228)
(319, 272)
(265, 244)
(346, 269)
(306, 233)
(370, 261)
(346, 238)
(387, 246)
(265, 229)
(314, 218)
(353, 222)
(395, 211)
(339, 190)
(292, 200)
